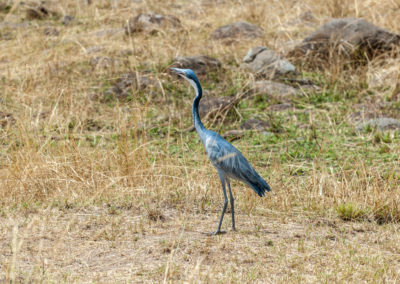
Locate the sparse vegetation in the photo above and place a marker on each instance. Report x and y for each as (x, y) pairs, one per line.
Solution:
(103, 185)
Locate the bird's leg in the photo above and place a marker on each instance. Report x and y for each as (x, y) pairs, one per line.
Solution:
(232, 204)
(218, 231)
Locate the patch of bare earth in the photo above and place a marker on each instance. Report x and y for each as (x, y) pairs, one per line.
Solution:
(97, 244)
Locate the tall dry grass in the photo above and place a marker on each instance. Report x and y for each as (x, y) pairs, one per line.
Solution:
(63, 149)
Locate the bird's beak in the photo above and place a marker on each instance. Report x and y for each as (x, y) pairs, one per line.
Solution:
(178, 71)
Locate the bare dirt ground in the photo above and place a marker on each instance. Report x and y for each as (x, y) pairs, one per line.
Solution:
(96, 245)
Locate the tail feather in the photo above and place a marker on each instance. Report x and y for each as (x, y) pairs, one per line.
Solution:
(260, 186)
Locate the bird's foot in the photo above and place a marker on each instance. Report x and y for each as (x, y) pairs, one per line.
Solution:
(234, 229)
(215, 233)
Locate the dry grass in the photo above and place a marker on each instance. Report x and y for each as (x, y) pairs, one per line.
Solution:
(115, 191)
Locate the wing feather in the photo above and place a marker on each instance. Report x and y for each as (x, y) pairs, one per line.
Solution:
(227, 158)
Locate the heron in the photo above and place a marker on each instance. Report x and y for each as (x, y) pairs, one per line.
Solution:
(229, 161)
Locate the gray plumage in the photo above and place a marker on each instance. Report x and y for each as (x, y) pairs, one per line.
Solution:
(228, 161)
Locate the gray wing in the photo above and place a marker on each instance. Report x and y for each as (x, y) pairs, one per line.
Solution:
(227, 158)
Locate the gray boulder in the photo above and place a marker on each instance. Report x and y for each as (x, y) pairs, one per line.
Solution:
(237, 30)
(351, 38)
(152, 23)
(200, 64)
(274, 89)
(268, 63)
(213, 106)
(255, 124)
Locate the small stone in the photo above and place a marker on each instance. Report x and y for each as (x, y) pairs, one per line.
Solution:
(94, 49)
(234, 134)
(214, 105)
(364, 111)
(274, 89)
(200, 64)
(36, 11)
(255, 124)
(67, 19)
(108, 32)
(126, 52)
(237, 30)
(103, 62)
(268, 63)
(267, 133)
(382, 123)
(152, 23)
(50, 31)
(6, 119)
(39, 13)
(280, 107)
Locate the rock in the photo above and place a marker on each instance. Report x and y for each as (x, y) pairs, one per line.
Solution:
(50, 31)
(267, 133)
(268, 63)
(200, 64)
(212, 3)
(255, 124)
(129, 82)
(94, 49)
(350, 38)
(67, 19)
(273, 89)
(103, 62)
(126, 52)
(237, 30)
(4, 7)
(152, 23)
(6, 119)
(13, 25)
(239, 133)
(234, 134)
(280, 107)
(364, 112)
(108, 32)
(210, 106)
(382, 123)
(93, 125)
(39, 11)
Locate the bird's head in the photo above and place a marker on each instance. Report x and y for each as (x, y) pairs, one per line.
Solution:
(187, 74)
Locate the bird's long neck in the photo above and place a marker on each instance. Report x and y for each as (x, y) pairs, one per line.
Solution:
(195, 108)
